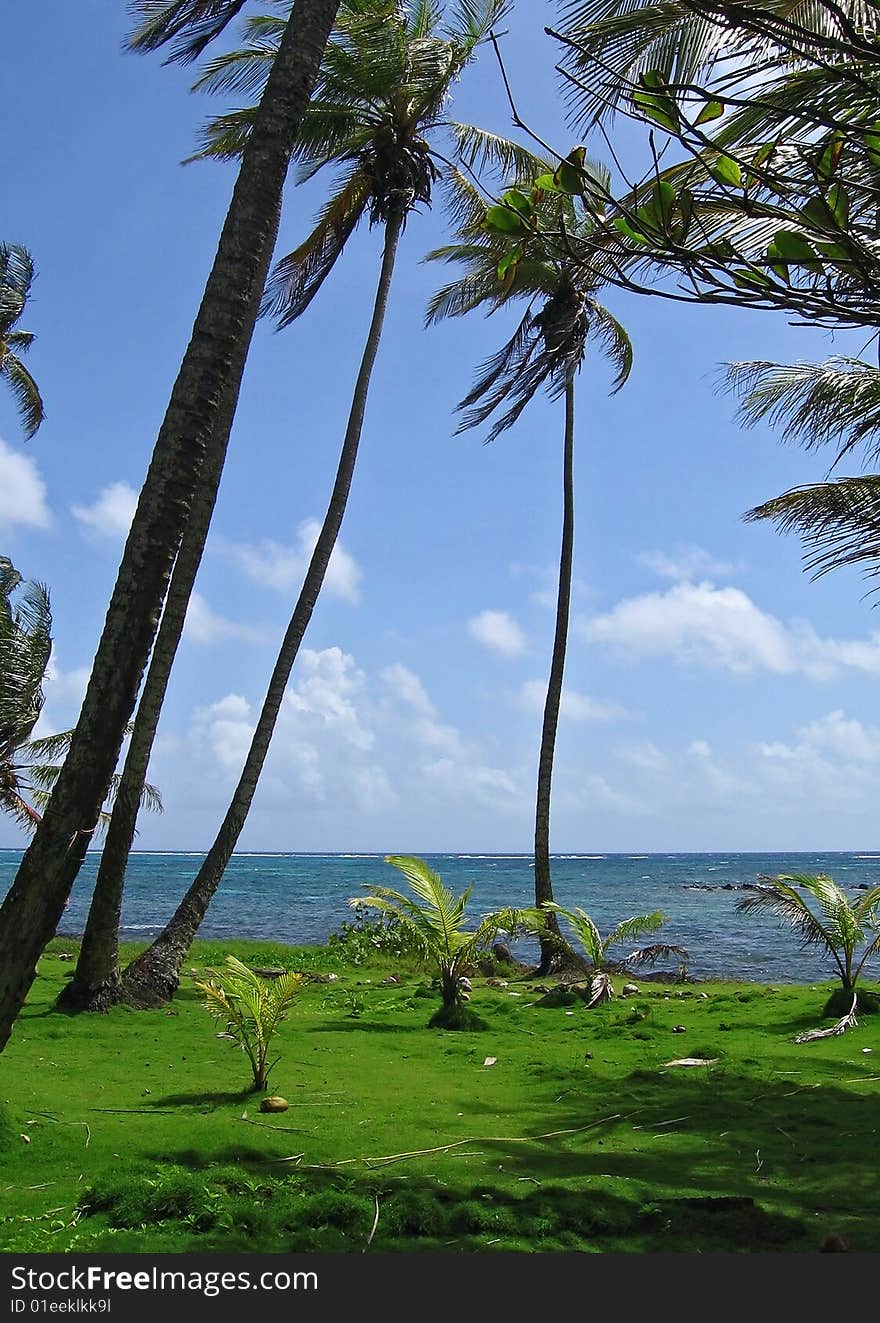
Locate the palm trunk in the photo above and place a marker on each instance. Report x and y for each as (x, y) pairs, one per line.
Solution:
(211, 367)
(153, 978)
(543, 884)
(97, 981)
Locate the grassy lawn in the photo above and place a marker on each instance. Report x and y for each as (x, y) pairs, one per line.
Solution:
(580, 1137)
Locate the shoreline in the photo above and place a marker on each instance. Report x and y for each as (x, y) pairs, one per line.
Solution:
(518, 972)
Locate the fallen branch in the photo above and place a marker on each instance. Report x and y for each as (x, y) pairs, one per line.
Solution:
(268, 1125)
(389, 1158)
(373, 1227)
(848, 1021)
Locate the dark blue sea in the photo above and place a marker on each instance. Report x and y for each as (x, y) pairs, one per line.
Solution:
(301, 898)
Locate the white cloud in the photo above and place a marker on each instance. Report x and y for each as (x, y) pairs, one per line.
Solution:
(64, 692)
(111, 514)
(685, 563)
(574, 706)
(643, 755)
(223, 731)
(723, 628)
(22, 491)
(498, 631)
(324, 751)
(323, 696)
(547, 579)
(203, 625)
(407, 686)
(282, 566)
(844, 736)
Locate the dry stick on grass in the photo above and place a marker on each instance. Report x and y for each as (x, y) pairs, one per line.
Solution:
(56, 1120)
(373, 1227)
(387, 1159)
(848, 1021)
(267, 1125)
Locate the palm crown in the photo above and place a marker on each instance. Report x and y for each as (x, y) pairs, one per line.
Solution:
(16, 277)
(562, 313)
(378, 116)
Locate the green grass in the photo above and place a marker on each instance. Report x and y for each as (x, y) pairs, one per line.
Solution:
(143, 1136)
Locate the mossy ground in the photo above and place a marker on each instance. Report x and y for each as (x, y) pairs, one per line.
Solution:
(143, 1137)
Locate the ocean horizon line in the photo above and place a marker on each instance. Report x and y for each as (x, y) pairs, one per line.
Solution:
(483, 854)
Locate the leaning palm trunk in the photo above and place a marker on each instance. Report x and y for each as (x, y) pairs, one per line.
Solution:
(551, 944)
(97, 981)
(153, 978)
(213, 365)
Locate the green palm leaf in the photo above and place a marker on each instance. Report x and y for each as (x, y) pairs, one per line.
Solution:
(16, 277)
(838, 521)
(297, 278)
(815, 404)
(186, 26)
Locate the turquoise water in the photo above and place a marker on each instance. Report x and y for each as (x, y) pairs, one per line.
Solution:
(301, 898)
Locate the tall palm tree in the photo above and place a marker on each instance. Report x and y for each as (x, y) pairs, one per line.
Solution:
(547, 349)
(16, 277)
(379, 118)
(210, 374)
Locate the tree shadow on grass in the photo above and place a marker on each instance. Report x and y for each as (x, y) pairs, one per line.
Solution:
(793, 1150)
(356, 1025)
(204, 1098)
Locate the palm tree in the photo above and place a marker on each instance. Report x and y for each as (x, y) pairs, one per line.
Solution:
(192, 433)
(598, 948)
(434, 918)
(251, 1008)
(379, 109)
(16, 277)
(838, 926)
(547, 349)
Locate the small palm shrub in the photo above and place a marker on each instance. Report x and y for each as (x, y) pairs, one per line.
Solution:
(847, 931)
(252, 1008)
(597, 948)
(433, 919)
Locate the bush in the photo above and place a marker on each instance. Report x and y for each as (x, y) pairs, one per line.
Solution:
(373, 935)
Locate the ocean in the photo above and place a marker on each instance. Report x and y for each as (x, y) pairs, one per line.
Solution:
(301, 898)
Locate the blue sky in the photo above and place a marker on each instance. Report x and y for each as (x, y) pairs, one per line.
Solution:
(716, 699)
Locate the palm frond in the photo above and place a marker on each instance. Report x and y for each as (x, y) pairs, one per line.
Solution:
(614, 340)
(838, 521)
(481, 150)
(774, 896)
(584, 929)
(16, 278)
(650, 955)
(25, 392)
(186, 26)
(629, 929)
(17, 807)
(446, 910)
(297, 277)
(833, 403)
